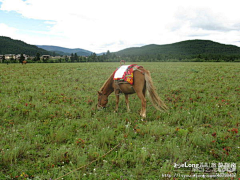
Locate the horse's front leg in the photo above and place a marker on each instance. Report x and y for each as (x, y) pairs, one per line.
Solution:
(127, 102)
(117, 100)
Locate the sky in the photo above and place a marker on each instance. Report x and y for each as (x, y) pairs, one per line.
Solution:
(102, 25)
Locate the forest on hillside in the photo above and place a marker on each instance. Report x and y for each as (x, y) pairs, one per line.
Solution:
(10, 46)
(192, 50)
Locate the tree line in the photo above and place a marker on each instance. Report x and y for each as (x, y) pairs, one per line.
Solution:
(113, 57)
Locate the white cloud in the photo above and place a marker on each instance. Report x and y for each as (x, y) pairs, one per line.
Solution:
(113, 25)
(5, 30)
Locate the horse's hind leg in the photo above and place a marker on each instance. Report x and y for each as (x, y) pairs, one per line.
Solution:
(144, 104)
(140, 88)
(127, 102)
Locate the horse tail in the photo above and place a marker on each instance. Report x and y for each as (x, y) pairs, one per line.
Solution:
(155, 99)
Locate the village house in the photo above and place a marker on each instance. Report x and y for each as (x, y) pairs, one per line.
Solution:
(56, 57)
(27, 57)
(13, 56)
(6, 57)
(24, 55)
(9, 56)
(46, 56)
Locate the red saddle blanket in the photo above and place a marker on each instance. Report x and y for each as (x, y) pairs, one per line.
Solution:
(125, 73)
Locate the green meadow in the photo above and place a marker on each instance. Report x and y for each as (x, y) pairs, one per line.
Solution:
(49, 124)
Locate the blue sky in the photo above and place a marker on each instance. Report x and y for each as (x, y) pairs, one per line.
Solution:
(16, 20)
(114, 25)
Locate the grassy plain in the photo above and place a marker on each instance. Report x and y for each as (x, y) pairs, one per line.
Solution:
(49, 125)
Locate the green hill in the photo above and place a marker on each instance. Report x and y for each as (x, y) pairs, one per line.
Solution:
(184, 50)
(10, 46)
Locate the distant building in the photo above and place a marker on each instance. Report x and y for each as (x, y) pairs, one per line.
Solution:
(13, 57)
(56, 57)
(19, 55)
(45, 56)
(9, 56)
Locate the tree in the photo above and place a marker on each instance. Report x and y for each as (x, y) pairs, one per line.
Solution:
(12, 60)
(37, 58)
(72, 57)
(93, 57)
(108, 55)
(66, 58)
(75, 57)
(22, 58)
(3, 58)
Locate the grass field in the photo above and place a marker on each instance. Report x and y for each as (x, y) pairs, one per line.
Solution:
(49, 124)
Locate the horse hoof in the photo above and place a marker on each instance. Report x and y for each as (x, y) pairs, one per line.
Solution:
(143, 116)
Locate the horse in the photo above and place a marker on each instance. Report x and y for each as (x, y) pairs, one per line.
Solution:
(142, 83)
(24, 62)
(122, 62)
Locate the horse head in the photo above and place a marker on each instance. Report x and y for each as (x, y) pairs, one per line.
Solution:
(102, 100)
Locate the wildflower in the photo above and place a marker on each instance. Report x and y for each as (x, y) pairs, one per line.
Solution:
(127, 126)
(214, 134)
(227, 150)
(234, 130)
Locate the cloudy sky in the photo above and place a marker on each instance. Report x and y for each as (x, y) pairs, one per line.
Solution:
(101, 25)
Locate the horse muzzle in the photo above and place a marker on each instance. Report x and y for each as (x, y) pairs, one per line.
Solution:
(99, 108)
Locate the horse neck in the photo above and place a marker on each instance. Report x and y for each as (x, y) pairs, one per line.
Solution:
(108, 86)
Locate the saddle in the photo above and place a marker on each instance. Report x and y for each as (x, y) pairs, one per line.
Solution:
(124, 74)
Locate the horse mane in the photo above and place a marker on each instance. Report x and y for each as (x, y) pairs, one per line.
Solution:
(101, 89)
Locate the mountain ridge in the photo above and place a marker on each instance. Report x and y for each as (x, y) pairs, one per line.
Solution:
(188, 47)
(205, 50)
(65, 51)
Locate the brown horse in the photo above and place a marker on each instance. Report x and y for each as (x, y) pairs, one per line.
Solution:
(142, 82)
(24, 62)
